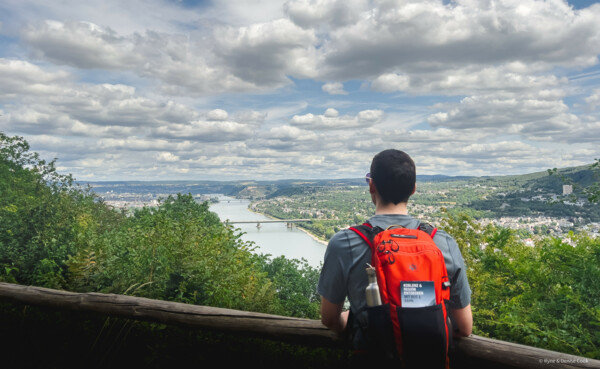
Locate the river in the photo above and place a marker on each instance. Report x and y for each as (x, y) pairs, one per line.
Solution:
(275, 239)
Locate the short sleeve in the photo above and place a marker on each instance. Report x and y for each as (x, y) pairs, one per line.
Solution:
(333, 279)
(460, 291)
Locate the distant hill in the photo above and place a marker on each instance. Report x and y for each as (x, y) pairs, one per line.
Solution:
(172, 187)
(582, 176)
(441, 178)
(541, 193)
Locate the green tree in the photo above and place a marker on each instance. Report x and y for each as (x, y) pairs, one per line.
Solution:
(179, 251)
(295, 282)
(39, 213)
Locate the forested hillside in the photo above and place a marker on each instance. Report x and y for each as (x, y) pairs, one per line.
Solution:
(521, 197)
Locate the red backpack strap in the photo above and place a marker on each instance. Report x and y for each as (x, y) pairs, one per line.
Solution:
(365, 231)
(428, 228)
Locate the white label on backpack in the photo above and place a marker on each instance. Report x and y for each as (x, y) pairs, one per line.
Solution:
(415, 294)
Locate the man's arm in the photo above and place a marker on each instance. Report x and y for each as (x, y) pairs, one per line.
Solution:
(463, 319)
(332, 316)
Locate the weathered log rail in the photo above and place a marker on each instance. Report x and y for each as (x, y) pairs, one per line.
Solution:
(287, 329)
(484, 351)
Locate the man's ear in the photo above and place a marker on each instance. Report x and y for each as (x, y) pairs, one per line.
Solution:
(414, 190)
(373, 192)
(372, 188)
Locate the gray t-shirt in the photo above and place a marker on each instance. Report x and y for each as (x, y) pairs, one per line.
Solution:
(343, 273)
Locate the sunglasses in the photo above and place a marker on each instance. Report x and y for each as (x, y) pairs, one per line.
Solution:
(368, 178)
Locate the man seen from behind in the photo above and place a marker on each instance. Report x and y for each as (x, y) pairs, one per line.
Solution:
(392, 181)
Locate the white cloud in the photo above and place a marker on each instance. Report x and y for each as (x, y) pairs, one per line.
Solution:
(241, 13)
(331, 113)
(424, 46)
(217, 114)
(200, 130)
(594, 99)
(334, 88)
(370, 116)
(415, 37)
(390, 82)
(537, 116)
(330, 13)
(103, 110)
(80, 44)
(264, 53)
(515, 77)
(133, 143)
(332, 120)
(19, 77)
(251, 117)
(171, 58)
(167, 157)
(289, 133)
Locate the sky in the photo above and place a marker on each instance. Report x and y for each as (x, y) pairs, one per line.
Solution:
(308, 89)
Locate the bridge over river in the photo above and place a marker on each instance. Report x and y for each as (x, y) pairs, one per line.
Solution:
(289, 222)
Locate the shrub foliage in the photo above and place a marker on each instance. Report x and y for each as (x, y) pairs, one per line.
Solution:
(544, 295)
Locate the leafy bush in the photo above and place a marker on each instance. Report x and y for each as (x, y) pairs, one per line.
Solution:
(545, 295)
(41, 216)
(295, 282)
(179, 251)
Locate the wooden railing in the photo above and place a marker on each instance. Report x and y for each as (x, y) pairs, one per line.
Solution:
(473, 350)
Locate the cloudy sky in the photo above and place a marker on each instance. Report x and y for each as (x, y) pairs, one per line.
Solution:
(270, 89)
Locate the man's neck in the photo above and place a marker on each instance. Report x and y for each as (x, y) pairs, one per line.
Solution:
(400, 208)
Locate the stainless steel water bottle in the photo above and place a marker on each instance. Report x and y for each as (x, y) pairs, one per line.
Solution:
(372, 290)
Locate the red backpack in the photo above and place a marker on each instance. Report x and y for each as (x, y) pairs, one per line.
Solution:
(412, 322)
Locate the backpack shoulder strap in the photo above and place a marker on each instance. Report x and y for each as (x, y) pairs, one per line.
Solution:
(365, 231)
(428, 228)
